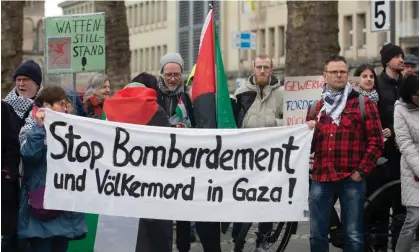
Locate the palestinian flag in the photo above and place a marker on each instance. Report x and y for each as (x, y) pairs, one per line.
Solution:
(210, 96)
(136, 105)
(182, 114)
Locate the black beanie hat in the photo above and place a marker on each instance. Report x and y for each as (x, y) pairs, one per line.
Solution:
(388, 51)
(30, 69)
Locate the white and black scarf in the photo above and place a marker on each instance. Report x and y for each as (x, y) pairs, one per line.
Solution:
(335, 102)
(19, 103)
(372, 95)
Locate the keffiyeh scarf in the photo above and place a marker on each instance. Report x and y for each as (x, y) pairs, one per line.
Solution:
(169, 92)
(335, 102)
(372, 95)
(19, 103)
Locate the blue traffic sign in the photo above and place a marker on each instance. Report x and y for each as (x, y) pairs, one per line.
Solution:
(244, 40)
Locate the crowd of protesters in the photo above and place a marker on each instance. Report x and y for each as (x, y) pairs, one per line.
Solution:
(352, 130)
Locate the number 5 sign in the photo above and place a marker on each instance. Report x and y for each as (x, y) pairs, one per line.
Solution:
(380, 16)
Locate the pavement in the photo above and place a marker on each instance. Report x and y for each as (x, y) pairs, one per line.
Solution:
(299, 242)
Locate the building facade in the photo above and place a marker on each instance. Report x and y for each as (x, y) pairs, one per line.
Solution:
(158, 27)
(33, 32)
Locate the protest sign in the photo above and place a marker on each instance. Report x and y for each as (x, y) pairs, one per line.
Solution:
(228, 175)
(75, 43)
(300, 92)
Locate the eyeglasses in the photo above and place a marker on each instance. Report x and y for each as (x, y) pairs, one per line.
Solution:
(64, 104)
(267, 68)
(23, 80)
(168, 76)
(335, 73)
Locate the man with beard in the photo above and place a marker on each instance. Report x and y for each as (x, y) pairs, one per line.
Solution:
(390, 81)
(170, 95)
(259, 104)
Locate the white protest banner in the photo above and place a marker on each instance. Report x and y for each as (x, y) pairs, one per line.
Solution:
(300, 92)
(229, 175)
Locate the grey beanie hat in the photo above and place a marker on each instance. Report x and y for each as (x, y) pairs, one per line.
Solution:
(171, 58)
(134, 84)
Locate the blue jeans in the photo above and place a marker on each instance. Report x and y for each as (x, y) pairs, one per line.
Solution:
(351, 197)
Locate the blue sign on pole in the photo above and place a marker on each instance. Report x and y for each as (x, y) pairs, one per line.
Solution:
(244, 40)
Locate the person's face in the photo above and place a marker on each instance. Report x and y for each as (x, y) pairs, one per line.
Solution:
(396, 63)
(262, 70)
(172, 74)
(26, 87)
(409, 69)
(367, 80)
(59, 106)
(336, 75)
(105, 91)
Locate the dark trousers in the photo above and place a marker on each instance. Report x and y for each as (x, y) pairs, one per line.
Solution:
(209, 235)
(155, 235)
(53, 244)
(183, 236)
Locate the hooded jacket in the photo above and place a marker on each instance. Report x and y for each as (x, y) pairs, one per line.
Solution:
(406, 127)
(135, 105)
(259, 107)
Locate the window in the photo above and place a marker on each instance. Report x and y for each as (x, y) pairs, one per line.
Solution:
(132, 61)
(348, 30)
(183, 47)
(263, 40)
(164, 49)
(136, 61)
(158, 11)
(153, 59)
(183, 13)
(147, 11)
(271, 41)
(140, 13)
(281, 41)
(141, 61)
(158, 55)
(147, 60)
(135, 18)
(129, 16)
(362, 31)
(165, 10)
(198, 12)
(152, 13)
(415, 9)
(196, 41)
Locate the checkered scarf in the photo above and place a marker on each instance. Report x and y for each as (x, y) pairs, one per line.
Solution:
(335, 102)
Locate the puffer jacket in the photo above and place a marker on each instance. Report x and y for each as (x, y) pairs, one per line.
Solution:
(406, 127)
(68, 224)
(257, 107)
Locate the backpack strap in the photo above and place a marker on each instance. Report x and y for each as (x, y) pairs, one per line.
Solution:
(313, 110)
(362, 107)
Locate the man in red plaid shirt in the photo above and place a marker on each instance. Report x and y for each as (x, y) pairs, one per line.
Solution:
(346, 147)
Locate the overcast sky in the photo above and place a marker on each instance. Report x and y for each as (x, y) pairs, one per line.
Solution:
(52, 9)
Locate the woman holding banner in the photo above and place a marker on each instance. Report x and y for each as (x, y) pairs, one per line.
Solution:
(44, 230)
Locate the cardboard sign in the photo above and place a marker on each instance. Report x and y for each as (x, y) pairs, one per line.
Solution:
(75, 43)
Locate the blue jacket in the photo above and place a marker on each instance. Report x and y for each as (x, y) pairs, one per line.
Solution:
(70, 224)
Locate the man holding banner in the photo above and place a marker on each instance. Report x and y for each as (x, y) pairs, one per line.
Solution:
(259, 104)
(346, 146)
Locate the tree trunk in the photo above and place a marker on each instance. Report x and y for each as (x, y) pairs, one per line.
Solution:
(118, 54)
(11, 42)
(312, 36)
